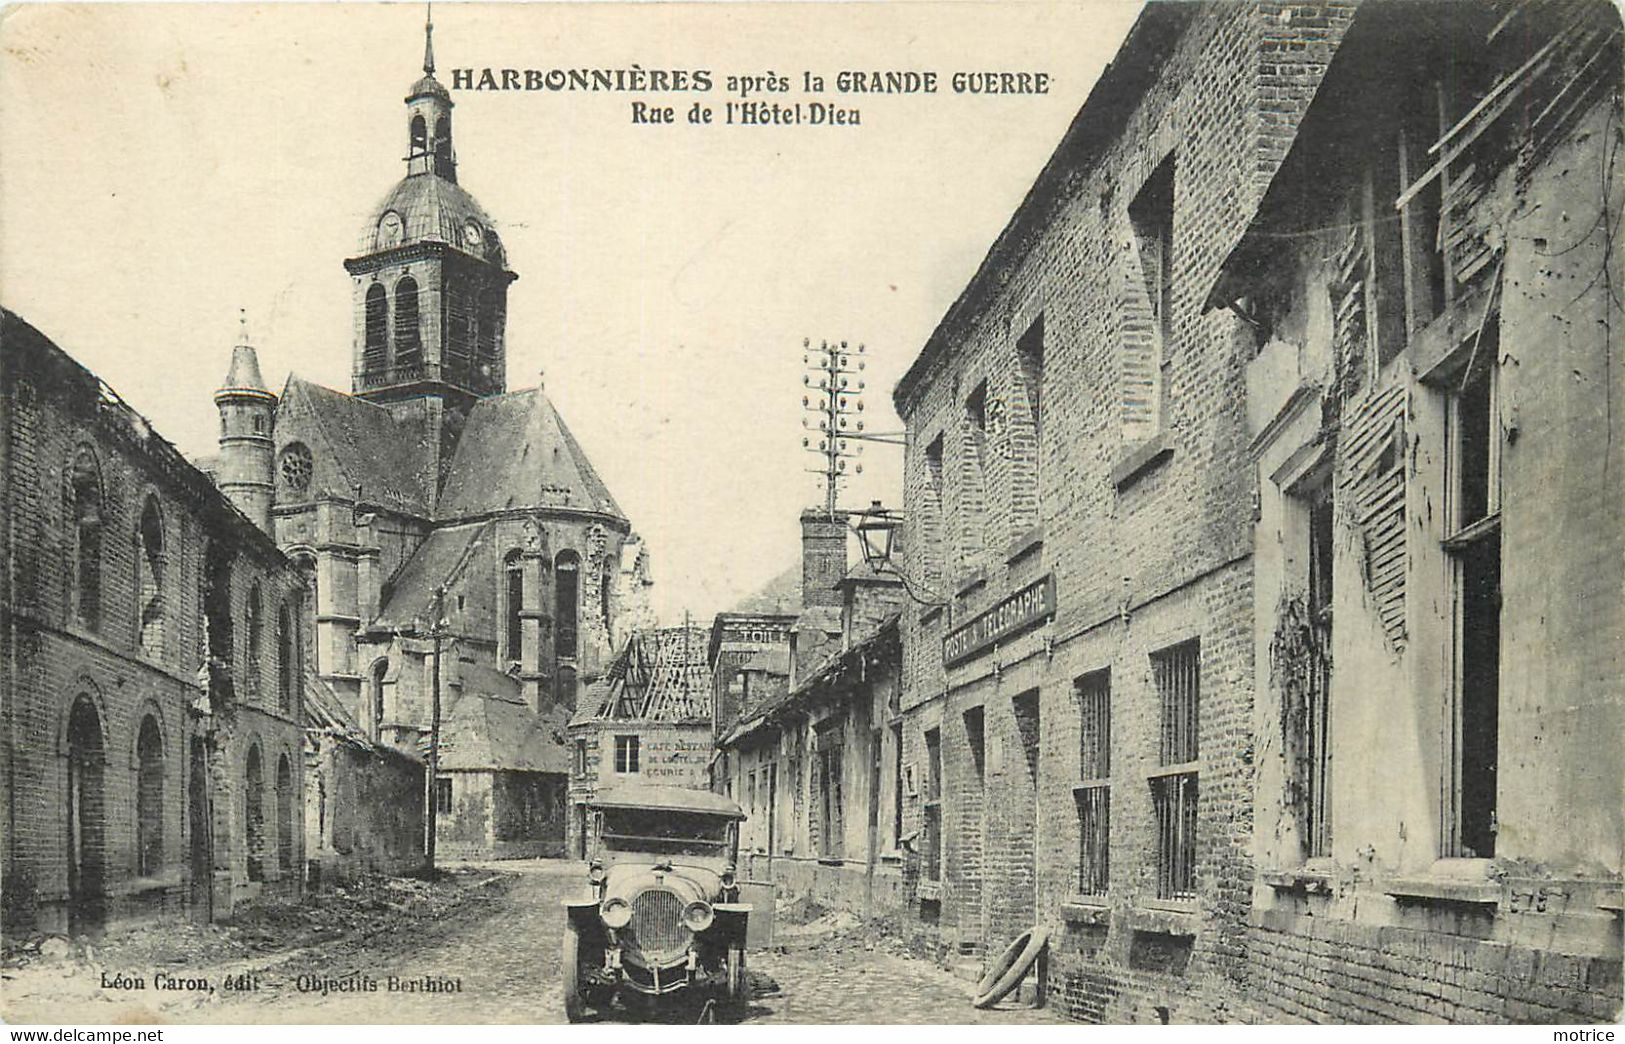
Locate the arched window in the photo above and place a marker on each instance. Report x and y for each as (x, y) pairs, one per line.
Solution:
(150, 579)
(514, 603)
(408, 341)
(85, 495)
(286, 660)
(217, 618)
(254, 618)
(567, 603)
(376, 351)
(375, 716)
(606, 592)
(254, 815)
(420, 135)
(442, 144)
(307, 632)
(149, 799)
(87, 815)
(284, 813)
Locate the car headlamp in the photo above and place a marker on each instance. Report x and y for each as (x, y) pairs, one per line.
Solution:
(728, 876)
(595, 873)
(698, 916)
(616, 913)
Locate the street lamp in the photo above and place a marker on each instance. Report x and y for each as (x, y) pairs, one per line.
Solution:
(877, 534)
(877, 530)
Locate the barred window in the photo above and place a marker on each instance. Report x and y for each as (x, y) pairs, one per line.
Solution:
(1178, 677)
(1177, 672)
(1093, 791)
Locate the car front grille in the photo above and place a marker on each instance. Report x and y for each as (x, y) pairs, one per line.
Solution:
(657, 924)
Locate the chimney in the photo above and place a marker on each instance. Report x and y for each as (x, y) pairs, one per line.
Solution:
(823, 557)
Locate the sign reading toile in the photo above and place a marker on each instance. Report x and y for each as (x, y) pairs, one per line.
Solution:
(1011, 616)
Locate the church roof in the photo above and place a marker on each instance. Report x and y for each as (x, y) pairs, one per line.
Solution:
(515, 452)
(409, 595)
(432, 209)
(368, 446)
(494, 730)
(780, 596)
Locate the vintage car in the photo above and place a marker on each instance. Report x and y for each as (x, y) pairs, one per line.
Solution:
(663, 915)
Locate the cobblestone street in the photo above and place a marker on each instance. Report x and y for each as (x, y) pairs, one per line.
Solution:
(504, 949)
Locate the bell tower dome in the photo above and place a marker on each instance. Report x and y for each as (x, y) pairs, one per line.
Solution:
(431, 277)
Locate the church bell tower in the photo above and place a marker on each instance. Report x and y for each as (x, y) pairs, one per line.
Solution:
(431, 277)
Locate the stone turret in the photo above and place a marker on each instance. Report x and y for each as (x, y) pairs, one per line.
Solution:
(247, 417)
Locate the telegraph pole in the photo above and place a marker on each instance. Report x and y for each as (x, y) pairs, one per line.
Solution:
(834, 397)
(431, 784)
(833, 404)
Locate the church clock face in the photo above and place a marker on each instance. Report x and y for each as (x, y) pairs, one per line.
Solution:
(472, 237)
(390, 230)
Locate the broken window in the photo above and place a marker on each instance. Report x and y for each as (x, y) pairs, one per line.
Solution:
(1147, 332)
(1093, 792)
(1030, 357)
(286, 665)
(1177, 672)
(149, 799)
(975, 741)
(85, 503)
(150, 579)
(1317, 829)
(1476, 547)
(931, 839)
(832, 828)
(375, 715)
(897, 783)
(566, 599)
(254, 815)
(976, 409)
(284, 813)
(514, 603)
(626, 754)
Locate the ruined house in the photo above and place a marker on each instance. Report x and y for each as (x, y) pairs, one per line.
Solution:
(647, 721)
(1433, 411)
(152, 659)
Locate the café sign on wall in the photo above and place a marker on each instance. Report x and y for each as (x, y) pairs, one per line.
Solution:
(1028, 606)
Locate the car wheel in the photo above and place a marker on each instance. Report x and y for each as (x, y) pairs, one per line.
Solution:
(738, 984)
(575, 999)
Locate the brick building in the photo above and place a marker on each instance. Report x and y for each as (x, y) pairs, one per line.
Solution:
(1077, 708)
(1438, 599)
(430, 494)
(809, 722)
(648, 721)
(152, 659)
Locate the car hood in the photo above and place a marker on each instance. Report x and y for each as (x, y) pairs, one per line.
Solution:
(688, 882)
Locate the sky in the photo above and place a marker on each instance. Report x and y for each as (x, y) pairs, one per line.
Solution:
(164, 166)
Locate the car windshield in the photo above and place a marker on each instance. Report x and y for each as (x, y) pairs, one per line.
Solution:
(664, 832)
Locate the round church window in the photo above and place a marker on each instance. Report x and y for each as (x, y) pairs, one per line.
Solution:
(296, 467)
